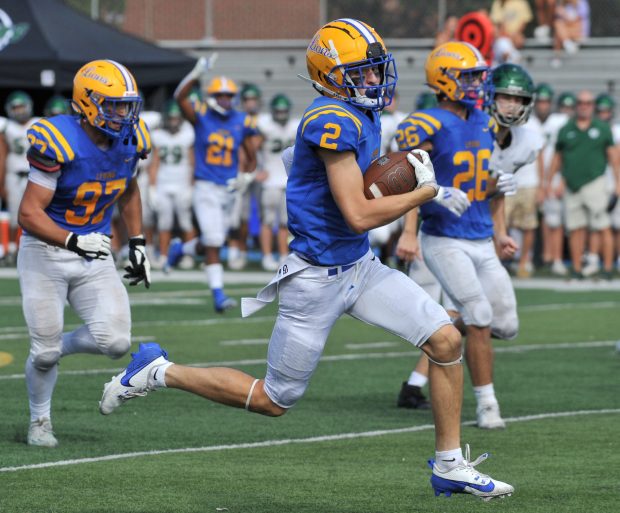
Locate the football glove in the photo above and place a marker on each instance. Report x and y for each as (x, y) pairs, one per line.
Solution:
(139, 268)
(506, 183)
(287, 158)
(455, 200)
(241, 182)
(424, 171)
(92, 245)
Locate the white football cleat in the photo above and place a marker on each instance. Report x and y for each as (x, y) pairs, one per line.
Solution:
(40, 433)
(464, 478)
(489, 417)
(136, 380)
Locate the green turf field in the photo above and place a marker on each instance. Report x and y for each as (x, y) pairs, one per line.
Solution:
(345, 448)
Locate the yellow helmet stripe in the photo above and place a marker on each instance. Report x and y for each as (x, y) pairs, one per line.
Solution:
(68, 153)
(433, 121)
(358, 123)
(342, 114)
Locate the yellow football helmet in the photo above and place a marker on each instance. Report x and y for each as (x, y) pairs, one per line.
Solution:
(220, 93)
(458, 71)
(106, 94)
(339, 57)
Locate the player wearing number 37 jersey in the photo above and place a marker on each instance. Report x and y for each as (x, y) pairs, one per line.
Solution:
(331, 270)
(80, 167)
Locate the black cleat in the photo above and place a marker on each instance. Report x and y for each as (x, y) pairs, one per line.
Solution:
(412, 397)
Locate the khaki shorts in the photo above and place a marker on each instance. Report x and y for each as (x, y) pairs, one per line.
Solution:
(587, 208)
(521, 209)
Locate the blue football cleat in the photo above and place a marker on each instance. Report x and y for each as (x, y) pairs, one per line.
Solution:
(464, 478)
(175, 253)
(136, 380)
(222, 302)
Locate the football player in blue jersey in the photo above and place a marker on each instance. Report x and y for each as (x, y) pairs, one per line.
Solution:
(459, 226)
(331, 270)
(80, 167)
(220, 133)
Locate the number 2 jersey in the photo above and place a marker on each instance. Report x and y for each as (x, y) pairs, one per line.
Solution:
(91, 179)
(218, 139)
(321, 234)
(461, 152)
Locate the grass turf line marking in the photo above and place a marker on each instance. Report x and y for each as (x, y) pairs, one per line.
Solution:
(291, 441)
(342, 357)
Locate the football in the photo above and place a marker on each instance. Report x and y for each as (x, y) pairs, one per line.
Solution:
(388, 175)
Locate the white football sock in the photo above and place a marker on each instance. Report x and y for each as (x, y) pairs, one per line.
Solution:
(215, 276)
(40, 389)
(417, 380)
(159, 374)
(485, 394)
(445, 460)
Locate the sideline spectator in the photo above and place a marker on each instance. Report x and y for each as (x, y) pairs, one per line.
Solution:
(447, 32)
(545, 14)
(510, 18)
(571, 27)
(582, 151)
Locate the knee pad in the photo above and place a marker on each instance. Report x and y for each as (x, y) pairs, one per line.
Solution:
(46, 359)
(478, 312)
(507, 330)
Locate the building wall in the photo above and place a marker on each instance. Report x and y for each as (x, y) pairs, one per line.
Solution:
(221, 19)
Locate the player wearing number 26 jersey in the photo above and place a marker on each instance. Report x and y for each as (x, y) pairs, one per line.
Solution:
(80, 167)
(458, 228)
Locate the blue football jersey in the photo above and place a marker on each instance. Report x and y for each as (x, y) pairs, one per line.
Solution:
(218, 139)
(321, 234)
(461, 153)
(91, 179)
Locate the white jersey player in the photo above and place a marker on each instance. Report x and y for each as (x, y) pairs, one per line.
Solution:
(278, 131)
(171, 176)
(13, 164)
(548, 125)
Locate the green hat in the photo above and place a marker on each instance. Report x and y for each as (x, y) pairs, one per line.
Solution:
(281, 102)
(249, 91)
(56, 105)
(604, 101)
(171, 109)
(512, 80)
(425, 101)
(19, 99)
(544, 92)
(567, 99)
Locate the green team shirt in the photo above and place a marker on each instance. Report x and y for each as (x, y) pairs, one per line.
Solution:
(584, 152)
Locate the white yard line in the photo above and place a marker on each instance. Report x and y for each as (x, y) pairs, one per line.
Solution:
(345, 357)
(245, 342)
(371, 345)
(291, 441)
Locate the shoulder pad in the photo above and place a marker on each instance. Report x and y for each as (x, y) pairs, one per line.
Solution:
(416, 128)
(41, 162)
(143, 139)
(332, 127)
(47, 138)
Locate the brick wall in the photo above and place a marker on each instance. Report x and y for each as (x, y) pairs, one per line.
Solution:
(229, 19)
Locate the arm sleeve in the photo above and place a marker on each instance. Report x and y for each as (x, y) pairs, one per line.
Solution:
(44, 179)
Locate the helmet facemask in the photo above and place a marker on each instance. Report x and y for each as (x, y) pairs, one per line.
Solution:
(508, 112)
(470, 84)
(116, 116)
(349, 79)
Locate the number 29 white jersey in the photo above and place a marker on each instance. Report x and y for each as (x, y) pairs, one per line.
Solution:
(174, 149)
(17, 142)
(276, 138)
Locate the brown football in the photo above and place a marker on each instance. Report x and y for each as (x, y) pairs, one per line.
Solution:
(388, 175)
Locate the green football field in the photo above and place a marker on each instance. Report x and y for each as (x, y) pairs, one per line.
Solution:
(345, 447)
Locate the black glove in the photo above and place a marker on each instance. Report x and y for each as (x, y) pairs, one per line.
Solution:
(92, 245)
(140, 268)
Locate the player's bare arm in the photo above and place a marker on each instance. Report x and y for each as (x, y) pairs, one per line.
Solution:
(130, 208)
(506, 246)
(347, 187)
(613, 157)
(33, 218)
(249, 147)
